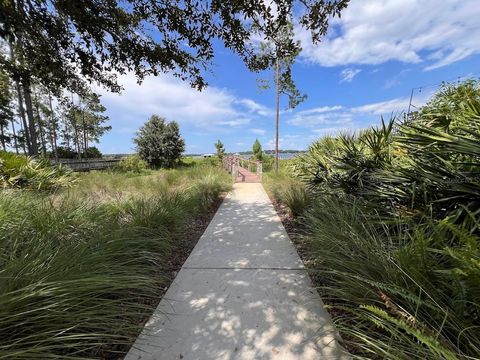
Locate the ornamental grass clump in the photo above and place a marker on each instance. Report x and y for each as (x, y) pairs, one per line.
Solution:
(80, 272)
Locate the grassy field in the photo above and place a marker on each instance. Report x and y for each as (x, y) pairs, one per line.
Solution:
(83, 267)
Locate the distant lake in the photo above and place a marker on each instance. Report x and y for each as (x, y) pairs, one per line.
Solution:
(282, 156)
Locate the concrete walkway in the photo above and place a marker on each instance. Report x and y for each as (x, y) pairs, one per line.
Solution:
(241, 295)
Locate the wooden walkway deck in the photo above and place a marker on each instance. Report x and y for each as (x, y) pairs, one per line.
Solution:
(241, 169)
(247, 176)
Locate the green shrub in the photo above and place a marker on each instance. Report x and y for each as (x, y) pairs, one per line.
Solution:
(93, 153)
(19, 171)
(267, 162)
(131, 163)
(65, 153)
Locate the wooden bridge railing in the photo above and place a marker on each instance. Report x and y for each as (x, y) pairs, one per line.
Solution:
(233, 163)
(87, 164)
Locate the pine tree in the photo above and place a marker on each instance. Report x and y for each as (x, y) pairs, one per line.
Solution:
(220, 149)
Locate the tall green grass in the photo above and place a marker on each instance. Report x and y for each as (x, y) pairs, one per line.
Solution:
(80, 270)
(392, 230)
(398, 292)
(287, 190)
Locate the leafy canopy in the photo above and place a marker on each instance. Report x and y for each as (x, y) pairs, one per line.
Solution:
(63, 42)
(159, 142)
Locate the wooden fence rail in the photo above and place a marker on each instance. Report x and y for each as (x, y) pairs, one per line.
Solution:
(237, 166)
(87, 164)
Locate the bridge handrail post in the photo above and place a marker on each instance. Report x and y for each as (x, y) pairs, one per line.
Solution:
(235, 165)
(259, 170)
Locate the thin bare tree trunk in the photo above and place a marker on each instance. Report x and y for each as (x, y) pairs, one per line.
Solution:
(84, 135)
(76, 140)
(24, 142)
(67, 135)
(53, 131)
(31, 121)
(277, 111)
(40, 129)
(14, 136)
(2, 137)
(21, 109)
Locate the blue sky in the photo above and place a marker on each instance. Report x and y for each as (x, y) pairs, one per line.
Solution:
(366, 67)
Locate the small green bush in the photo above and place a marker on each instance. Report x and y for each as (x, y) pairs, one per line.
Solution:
(288, 191)
(93, 153)
(267, 162)
(131, 163)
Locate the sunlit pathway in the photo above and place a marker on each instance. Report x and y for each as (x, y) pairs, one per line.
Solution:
(242, 294)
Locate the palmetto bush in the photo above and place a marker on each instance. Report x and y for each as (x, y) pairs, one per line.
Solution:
(348, 162)
(394, 231)
(19, 171)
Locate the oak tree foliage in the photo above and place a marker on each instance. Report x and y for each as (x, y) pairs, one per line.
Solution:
(61, 42)
(159, 142)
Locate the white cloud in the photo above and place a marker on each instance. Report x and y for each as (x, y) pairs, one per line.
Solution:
(321, 120)
(348, 74)
(321, 116)
(333, 119)
(255, 107)
(411, 31)
(383, 107)
(258, 131)
(176, 100)
(285, 143)
(320, 110)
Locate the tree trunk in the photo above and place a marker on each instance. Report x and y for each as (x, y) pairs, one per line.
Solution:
(76, 139)
(30, 133)
(21, 109)
(31, 121)
(14, 136)
(53, 130)
(67, 135)
(277, 111)
(24, 138)
(2, 137)
(84, 135)
(40, 128)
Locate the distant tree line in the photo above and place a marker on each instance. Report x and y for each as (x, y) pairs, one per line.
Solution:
(36, 121)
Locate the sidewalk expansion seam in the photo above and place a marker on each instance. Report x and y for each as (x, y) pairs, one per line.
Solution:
(242, 268)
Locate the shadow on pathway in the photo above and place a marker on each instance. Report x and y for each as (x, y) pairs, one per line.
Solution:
(242, 294)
